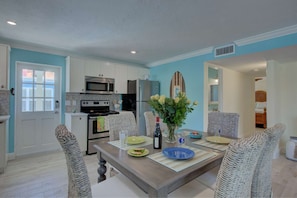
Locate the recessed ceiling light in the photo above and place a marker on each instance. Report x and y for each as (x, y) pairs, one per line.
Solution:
(133, 52)
(11, 22)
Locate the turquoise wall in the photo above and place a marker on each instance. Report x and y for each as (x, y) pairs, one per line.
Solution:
(192, 70)
(32, 57)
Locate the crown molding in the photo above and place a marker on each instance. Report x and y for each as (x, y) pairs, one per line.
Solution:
(241, 42)
(182, 56)
(266, 36)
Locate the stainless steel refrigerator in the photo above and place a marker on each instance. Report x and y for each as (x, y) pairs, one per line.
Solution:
(141, 90)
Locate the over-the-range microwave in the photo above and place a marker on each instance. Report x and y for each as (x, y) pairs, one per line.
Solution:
(99, 85)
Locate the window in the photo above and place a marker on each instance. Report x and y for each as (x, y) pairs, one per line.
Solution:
(38, 90)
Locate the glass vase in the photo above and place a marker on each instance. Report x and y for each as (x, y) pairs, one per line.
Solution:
(171, 133)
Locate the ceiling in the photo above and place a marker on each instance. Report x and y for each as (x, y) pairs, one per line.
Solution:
(157, 30)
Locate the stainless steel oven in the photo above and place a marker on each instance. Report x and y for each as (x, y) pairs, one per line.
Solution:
(98, 130)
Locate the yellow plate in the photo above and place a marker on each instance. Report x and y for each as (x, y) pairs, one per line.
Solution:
(218, 139)
(135, 140)
(134, 153)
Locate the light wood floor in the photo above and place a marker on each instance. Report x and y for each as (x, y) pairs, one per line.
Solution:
(45, 175)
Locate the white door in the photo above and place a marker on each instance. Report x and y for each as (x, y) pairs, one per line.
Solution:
(37, 107)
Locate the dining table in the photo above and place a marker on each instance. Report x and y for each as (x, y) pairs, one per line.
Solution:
(155, 173)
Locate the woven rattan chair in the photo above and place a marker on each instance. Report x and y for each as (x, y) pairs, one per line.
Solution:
(236, 171)
(116, 123)
(262, 186)
(150, 123)
(227, 123)
(78, 179)
(122, 121)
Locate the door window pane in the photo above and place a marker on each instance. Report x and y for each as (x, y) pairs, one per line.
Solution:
(49, 91)
(27, 90)
(49, 104)
(39, 76)
(49, 77)
(38, 104)
(38, 90)
(27, 105)
(27, 75)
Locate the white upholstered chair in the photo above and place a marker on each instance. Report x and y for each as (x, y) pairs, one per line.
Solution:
(78, 179)
(262, 186)
(236, 171)
(150, 123)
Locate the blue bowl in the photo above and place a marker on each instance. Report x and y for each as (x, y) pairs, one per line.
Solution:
(196, 136)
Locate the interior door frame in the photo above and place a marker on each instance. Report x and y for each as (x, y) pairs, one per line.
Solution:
(206, 92)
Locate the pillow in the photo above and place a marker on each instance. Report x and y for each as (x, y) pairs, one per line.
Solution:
(260, 105)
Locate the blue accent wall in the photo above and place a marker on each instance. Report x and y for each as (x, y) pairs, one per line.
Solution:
(192, 70)
(32, 57)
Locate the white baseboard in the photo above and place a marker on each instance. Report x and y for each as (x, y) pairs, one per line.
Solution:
(10, 156)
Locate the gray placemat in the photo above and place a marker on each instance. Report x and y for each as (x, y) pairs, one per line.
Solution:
(220, 147)
(179, 165)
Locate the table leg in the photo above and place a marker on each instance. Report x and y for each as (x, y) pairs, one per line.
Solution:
(101, 169)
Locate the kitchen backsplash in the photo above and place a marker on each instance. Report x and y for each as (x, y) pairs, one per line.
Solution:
(72, 102)
(4, 102)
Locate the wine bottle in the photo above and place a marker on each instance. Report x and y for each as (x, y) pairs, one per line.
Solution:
(157, 135)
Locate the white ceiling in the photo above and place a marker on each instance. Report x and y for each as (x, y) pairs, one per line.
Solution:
(156, 29)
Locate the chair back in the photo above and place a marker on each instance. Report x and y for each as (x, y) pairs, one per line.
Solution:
(227, 123)
(150, 123)
(122, 121)
(262, 186)
(78, 179)
(238, 165)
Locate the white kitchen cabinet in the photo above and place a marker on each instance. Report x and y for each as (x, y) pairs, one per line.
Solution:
(75, 78)
(143, 73)
(77, 69)
(4, 65)
(120, 78)
(77, 124)
(134, 73)
(99, 68)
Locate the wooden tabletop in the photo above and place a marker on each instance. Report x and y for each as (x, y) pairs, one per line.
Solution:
(152, 177)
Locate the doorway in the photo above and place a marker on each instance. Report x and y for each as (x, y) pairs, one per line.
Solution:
(260, 103)
(214, 90)
(37, 107)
